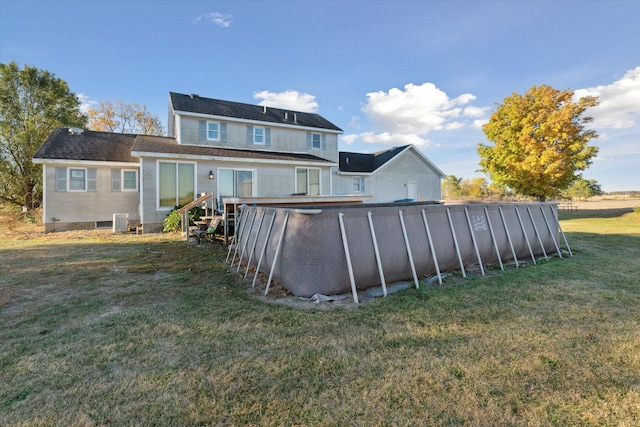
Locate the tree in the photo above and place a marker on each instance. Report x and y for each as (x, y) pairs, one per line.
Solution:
(476, 188)
(124, 118)
(540, 141)
(583, 189)
(33, 102)
(451, 187)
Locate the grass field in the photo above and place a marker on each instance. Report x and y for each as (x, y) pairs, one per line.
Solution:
(101, 329)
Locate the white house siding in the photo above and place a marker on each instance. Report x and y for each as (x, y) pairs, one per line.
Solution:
(272, 179)
(283, 139)
(343, 184)
(389, 182)
(171, 121)
(75, 210)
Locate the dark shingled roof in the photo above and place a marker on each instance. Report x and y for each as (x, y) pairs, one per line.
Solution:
(216, 107)
(367, 163)
(89, 145)
(166, 145)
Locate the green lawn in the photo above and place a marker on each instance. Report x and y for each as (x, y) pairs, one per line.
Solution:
(97, 329)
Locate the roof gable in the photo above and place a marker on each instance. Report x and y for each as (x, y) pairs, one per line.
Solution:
(216, 107)
(88, 146)
(370, 163)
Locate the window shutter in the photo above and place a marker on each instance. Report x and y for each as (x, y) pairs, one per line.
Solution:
(202, 130)
(267, 136)
(309, 143)
(223, 132)
(92, 179)
(362, 184)
(249, 134)
(323, 144)
(115, 179)
(61, 179)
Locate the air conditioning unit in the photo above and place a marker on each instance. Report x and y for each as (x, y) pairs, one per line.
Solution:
(120, 222)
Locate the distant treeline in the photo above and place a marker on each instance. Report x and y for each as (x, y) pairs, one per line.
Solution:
(632, 193)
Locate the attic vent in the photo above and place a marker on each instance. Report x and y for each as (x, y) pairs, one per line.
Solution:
(76, 131)
(194, 96)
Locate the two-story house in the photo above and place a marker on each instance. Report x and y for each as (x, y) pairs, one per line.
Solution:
(230, 149)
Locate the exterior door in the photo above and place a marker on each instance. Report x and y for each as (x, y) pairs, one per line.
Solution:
(411, 190)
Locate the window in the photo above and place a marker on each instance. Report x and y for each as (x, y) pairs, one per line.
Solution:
(358, 184)
(61, 179)
(308, 181)
(124, 180)
(213, 131)
(258, 135)
(236, 183)
(77, 179)
(176, 184)
(129, 180)
(316, 141)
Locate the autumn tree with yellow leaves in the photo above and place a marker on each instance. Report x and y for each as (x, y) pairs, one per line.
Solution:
(124, 118)
(540, 142)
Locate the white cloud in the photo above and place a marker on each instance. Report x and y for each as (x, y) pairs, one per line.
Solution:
(472, 111)
(85, 103)
(453, 125)
(386, 138)
(350, 139)
(477, 124)
(288, 100)
(418, 109)
(406, 116)
(619, 102)
(217, 18)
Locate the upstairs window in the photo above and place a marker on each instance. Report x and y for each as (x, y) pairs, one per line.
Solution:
(316, 141)
(257, 135)
(213, 131)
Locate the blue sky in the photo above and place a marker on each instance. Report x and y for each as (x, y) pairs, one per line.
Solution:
(387, 73)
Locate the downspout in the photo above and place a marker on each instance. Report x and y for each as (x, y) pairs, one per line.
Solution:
(44, 194)
(141, 196)
(331, 180)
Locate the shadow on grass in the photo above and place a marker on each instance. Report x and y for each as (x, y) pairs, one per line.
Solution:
(623, 242)
(593, 213)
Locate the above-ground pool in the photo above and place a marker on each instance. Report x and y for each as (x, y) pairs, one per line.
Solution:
(344, 248)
